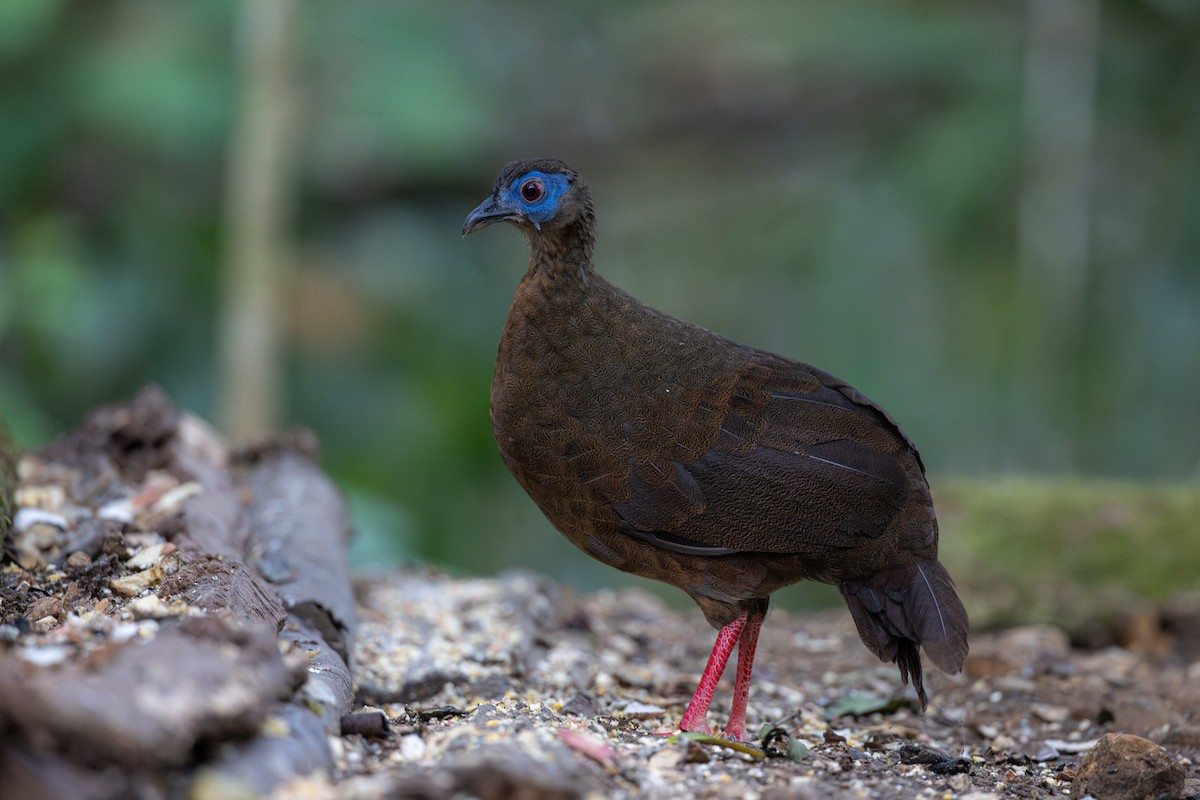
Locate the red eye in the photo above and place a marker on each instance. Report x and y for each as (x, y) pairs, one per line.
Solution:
(532, 190)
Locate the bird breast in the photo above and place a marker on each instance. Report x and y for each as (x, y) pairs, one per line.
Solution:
(583, 383)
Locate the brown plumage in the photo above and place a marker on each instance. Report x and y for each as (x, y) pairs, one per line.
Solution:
(665, 450)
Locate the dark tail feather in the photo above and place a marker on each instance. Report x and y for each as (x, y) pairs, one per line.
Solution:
(915, 605)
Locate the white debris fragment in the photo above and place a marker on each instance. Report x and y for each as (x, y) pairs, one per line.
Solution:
(150, 556)
(26, 518)
(117, 510)
(46, 655)
(174, 497)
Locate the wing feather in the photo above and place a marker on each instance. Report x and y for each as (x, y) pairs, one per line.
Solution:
(795, 465)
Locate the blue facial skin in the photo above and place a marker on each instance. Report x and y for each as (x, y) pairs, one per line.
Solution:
(544, 209)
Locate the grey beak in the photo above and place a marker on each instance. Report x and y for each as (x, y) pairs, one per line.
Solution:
(485, 214)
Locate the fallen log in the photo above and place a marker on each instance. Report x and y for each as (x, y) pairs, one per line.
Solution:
(171, 612)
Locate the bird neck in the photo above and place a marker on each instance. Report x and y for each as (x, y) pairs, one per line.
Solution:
(561, 259)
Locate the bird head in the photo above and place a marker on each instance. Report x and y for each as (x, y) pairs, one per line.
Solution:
(536, 196)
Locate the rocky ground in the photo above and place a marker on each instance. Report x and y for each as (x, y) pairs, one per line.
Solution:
(516, 687)
(175, 621)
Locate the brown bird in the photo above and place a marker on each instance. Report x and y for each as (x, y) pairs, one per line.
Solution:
(665, 450)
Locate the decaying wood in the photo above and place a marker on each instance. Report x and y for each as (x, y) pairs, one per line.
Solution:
(200, 679)
(300, 524)
(173, 614)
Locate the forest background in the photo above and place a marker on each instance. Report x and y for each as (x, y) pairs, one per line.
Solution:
(985, 216)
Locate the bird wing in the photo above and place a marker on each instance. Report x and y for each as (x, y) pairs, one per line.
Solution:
(796, 462)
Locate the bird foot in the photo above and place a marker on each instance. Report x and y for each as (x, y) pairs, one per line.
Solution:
(696, 727)
(733, 733)
(737, 733)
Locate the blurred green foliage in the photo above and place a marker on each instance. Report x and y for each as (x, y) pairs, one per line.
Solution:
(836, 181)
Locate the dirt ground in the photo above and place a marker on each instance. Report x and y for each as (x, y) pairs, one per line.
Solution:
(518, 688)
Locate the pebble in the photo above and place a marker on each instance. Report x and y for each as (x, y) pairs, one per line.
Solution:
(132, 585)
(150, 556)
(1040, 750)
(960, 782)
(1049, 713)
(151, 606)
(1063, 746)
(642, 710)
(666, 759)
(412, 747)
(48, 497)
(1126, 767)
(49, 606)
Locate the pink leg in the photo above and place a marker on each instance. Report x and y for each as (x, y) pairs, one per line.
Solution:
(695, 717)
(736, 729)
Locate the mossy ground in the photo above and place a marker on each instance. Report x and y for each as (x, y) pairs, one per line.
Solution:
(1073, 552)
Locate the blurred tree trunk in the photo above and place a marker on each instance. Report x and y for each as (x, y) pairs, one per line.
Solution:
(1054, 218)
(257, 209)
(8, 481)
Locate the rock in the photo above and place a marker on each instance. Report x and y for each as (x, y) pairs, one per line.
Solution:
(1049, 713)
(796, 789)
(960, 782)
(1126, 767)
(1029, 648)
(501, 772)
